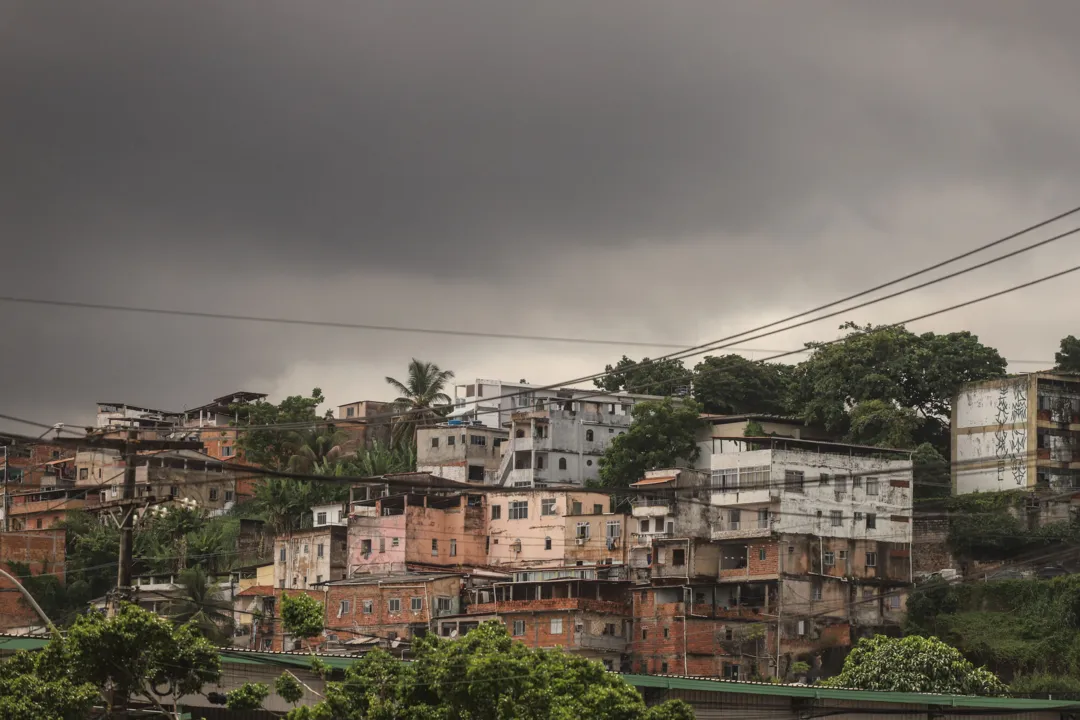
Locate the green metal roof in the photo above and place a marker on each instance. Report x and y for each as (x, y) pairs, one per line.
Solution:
(667, 682)
(813, 692)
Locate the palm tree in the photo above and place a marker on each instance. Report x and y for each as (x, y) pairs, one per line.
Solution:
(382, 459)
(311, 447)
(421, 396)
(201, 601)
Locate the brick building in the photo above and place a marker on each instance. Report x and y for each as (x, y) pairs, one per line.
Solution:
(389, 533)
(578, 609)
(41, 552)
(35, 466)
(258, 619)
(390, 607)
(43, 509)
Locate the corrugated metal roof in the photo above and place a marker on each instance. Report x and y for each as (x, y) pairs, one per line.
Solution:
(680, 682)
(653, 481)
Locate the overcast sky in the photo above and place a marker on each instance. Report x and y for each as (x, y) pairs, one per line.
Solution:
(650, 171)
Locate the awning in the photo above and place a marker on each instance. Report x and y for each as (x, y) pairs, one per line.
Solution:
(653, 481)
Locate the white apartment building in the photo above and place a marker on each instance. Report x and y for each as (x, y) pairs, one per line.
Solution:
(806, 487)
(560, 438)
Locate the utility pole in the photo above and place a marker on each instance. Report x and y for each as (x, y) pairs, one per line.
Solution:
(7, 524)
(127, 526)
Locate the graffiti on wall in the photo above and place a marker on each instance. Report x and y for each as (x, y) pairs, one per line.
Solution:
(1010, 437)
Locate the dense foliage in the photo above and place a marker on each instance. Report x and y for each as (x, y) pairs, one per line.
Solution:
(483, 675)
(302, 615)
(1067, 359)
(663, 434)
(913, 664)
(108, 661)
(734, 385)
(650, 377)
(1015, 627)
(272, 447)
(421, 398)
(248, 696)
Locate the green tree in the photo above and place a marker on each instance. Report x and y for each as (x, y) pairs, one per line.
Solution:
(882, 423)
(271, 447)
(285, 504)
(288, 688)
(913, 664)
(248, 696)
(484, 675)
(662, 434)
(651, 377)
(1068, 358)
(302, 616)
(37, 685)
(931, 472)
(421, 396)
(310, 448)
(202, 604)
(921, 373)
(734, 385)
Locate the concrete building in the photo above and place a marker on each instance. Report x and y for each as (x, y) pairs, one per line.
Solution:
(670, 509)
(466, 453)
(390, 608)
(180, 474)
(311, 557)
(1017, 433)
(365, 423)
(214, 425)
(117, 417)
(718, 432)
(43, 509)
(330, 514)
(536, 528)
(388, 534)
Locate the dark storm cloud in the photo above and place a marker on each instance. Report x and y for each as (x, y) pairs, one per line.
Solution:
(315, 158)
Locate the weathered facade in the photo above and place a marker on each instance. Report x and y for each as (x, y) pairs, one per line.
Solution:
(390, 533)
(311, 557)
(466, 453)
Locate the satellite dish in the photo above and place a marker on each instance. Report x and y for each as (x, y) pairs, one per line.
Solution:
(394, 643)
(453, 633)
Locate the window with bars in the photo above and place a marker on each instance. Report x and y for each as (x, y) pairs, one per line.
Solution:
(519, 510)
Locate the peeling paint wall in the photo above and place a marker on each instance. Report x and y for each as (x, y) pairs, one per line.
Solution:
(992, 436)
(539, 540)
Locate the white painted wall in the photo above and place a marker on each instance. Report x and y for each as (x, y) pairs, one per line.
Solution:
(994, 458)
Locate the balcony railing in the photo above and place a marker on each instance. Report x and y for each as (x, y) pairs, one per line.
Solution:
(646, 538)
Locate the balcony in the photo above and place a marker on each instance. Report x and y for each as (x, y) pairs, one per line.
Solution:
(646, 539)
(645, 508)
(742, 530)
(606, 643)
(604, 607)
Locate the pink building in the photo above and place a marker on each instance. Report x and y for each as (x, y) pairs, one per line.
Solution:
(545, 527)
(389, 533)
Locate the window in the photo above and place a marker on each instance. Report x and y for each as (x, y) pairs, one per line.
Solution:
(393, 542)
(476, 473)
(547, 543)
(761, 553)
(727, 479)
(350, 412)
(434, 442)
(678, 557)
(823, 479)
(519, 627)
(614, 529)
(871, 486)
(319, 550)
(547, 506)
(670, 527)
(645, 526)
(365, 547)
(868, 593)
(443, 604)
(343, 609)
(305, 582)
(836, 518)
(840, 485)
(39, 523)
(763, 519)
(667, 633)
(369, 607)
(562, 463)
(434, 548)
(894, 602)
(519, 510)
(213, 494)
(871, 521)
(318, 579)
(416, 604)
(815, 591)
(539, 462)
(478, 440)
(382, 545)
(556, 626)
(228, 496)
(83, 473)
(281, 555)
(588, 435)
(644, 634)
(451, 441)
(281, 584)
(320, 518)
(856, 481)
(734, 515)
(496, 512)
(226, 451)
(583, 530)
(871, 559)
(858, 516)
(519, 433)
(793, 480)
(731, 671)
(663, 666)
(174, 491)
(306, 548)
(828, 558)
(576, 508)
(842, 555)
(394, 605)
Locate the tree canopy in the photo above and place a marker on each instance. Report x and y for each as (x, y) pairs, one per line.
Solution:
(270, 447)
(1067, 359)
(110, 661)
(734, 385)
(650, 377)
(913, 664)
(483, 675)
(662, 434)
(919, 374)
